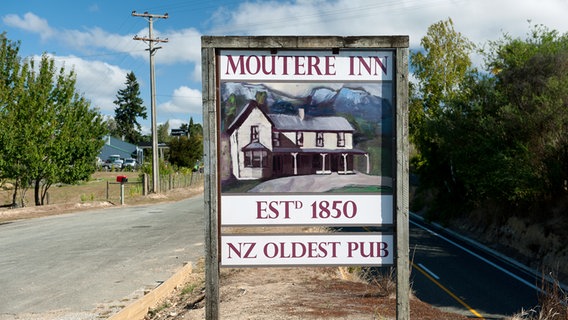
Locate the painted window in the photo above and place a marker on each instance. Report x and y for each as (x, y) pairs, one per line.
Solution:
(276, 139)
(300, 138)
(319, 139)
(254, 134)
(341, 139)
(256, 159)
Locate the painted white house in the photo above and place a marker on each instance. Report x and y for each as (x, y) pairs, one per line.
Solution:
(265, 145)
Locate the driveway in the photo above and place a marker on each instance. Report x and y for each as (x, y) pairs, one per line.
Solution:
(321, 183)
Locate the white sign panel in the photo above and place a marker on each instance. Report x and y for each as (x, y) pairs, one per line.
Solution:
(307, 209)
(337, 249)
(307, 66)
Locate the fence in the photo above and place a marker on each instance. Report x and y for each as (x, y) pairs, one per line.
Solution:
(179, 180)
(141, 188)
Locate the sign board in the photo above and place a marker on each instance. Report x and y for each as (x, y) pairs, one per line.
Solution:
(299, 121)
(309, 132)
(178, 132)
(307, 209)
(314, 65)
(347, 249)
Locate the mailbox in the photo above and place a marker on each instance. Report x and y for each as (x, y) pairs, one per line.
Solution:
(121, 179)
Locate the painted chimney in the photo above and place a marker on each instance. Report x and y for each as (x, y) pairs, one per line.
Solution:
(301, 113)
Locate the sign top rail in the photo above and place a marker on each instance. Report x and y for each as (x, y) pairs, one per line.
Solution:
(303, 42)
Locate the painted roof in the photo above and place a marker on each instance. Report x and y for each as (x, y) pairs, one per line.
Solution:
(286, 122)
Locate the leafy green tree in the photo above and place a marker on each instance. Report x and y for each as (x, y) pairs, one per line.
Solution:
(187, 151)
(180, 153)
(164, 132)
(195, 129)
(532, 79)
(441, 71)
(500, 143)
(441, 67)
(12, 87)
(75, 135)
(49, 132)
(129, 108)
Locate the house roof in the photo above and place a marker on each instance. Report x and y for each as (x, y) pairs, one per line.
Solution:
(114, 146)
(286, 122)
(243, 115)
(317, 150)
(254, 146)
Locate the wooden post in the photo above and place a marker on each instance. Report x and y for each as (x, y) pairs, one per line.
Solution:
(145, 184)
(401, 191)
(211, 185)
(122, 193)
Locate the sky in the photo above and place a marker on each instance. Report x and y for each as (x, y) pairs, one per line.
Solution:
(95, 38)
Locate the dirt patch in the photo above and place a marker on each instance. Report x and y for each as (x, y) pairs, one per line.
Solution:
(91, 195)
(292, 293)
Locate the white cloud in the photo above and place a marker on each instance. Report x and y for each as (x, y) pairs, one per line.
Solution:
(99, 38)
(184, 100)
(30, 22)
(479, 20)
(98, 81)
(176, 123)
(182, 46)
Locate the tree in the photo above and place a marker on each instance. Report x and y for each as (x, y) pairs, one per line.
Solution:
(187, 151)
(12, 87)
(441, 70)
(532, 79)
(441, 67)
(49, 132)
(500, 143)
(76, 136)
(164, 132)
(129, 108)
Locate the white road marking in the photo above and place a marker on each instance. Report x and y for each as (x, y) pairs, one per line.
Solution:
(514, 276)
(432, 274)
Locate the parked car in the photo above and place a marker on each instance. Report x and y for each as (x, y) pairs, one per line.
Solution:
(129, 163)
(113, 164)
(118, 164)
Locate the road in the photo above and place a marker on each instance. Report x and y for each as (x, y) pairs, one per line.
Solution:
(452, 274)
(75, 262)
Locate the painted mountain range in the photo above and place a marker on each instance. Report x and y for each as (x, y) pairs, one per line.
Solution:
(369, 113)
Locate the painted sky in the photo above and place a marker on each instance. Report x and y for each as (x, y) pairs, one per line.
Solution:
(95, 38)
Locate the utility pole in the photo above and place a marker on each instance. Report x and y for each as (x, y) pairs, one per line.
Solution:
(150, 40)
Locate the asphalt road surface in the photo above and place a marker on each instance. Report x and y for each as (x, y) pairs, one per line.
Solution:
(74, 262)
(451, 274)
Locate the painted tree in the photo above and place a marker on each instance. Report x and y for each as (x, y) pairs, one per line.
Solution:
(129, 108)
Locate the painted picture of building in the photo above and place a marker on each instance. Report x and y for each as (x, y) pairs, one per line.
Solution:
(273, 131)
(267, 145)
